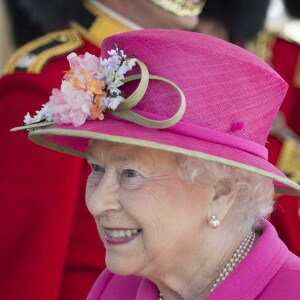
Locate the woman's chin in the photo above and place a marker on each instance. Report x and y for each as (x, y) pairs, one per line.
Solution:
(121, 263)
(120, 268)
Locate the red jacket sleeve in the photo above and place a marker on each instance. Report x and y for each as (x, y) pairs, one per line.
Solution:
(285, 56)
(47, 238)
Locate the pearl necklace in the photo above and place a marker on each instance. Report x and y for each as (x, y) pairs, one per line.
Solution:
(160, 297)
(235, 259)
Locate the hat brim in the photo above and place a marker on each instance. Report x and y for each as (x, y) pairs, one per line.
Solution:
(75, 141)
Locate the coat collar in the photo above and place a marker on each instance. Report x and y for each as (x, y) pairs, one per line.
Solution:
(96, 22)
(258, 268)
(249, 278)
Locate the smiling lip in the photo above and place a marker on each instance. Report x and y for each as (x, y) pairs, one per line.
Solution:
(120, 236)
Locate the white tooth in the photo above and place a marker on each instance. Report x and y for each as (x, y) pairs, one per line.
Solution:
(115, 233)
(128, 233)
(121, 233)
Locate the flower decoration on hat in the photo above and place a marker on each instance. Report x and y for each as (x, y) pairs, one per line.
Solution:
(90, 87)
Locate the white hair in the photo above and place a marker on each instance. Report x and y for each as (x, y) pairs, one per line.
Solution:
(254, 193)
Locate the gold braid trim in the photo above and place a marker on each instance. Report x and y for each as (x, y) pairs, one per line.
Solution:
(296, 77)
(289, 159)
(103, 26)
(181, 8)
(69, 41)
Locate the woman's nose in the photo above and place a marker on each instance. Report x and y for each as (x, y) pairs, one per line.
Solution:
(104, 197)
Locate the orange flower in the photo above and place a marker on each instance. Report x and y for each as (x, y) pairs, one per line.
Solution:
(68, 73)
(76, 83)
(97, 109)
(96, 86)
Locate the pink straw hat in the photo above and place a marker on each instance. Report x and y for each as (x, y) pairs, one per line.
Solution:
(204, 97)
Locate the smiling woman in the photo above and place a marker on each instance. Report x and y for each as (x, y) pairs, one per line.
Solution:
(180, 186)
(142, 193)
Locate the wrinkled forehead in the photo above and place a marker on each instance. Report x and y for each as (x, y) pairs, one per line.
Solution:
(112, 151)
(98, 147)
(119, 151)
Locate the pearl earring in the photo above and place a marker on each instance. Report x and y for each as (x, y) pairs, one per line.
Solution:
(214, 222)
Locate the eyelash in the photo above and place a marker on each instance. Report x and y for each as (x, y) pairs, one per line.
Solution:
(127, 172)
(97, 168)
(130, 173)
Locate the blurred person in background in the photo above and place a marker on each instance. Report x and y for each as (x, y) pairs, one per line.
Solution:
(277, 42)
(19, 24)
(6, 39)
(49, 246)
(283, 44)
(236, 21)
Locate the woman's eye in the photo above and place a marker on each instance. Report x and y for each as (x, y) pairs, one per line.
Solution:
(96, 175)
(130, 173)
(97, 168)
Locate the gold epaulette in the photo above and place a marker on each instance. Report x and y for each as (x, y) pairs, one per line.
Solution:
(33, 56)
(289, 159)
(96, 23)
(291, 33)
(261, 46)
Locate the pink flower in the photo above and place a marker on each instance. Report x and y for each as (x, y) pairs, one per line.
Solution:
(83, 69)
(72, 108)
(92, 63)
(89, 63)
(74, 60)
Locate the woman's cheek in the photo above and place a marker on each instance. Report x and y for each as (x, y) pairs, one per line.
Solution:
(92, 183)
(94, 179)
(132, 183)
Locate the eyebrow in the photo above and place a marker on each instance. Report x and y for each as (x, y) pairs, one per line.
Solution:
(122, 159)
(90, 155)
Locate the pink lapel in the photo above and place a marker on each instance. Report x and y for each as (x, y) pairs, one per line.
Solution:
(258, 268)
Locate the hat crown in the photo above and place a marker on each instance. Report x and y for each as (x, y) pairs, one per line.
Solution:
(227, 89)
(231, 96)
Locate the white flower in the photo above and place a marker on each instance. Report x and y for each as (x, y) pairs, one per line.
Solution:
(71, 104)
(131, 63)
(66, 87)
(123, 69)
(118, 81)
(28, 119)
(112, 52)
(114, 103)
(114, 91)
(44, 114)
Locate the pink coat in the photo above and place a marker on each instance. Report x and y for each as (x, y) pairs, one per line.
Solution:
(268, 272)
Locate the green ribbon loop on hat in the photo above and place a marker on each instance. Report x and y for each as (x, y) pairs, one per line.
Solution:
(123, 111)
(140, 91)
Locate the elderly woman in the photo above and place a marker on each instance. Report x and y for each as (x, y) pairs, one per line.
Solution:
(174, 131)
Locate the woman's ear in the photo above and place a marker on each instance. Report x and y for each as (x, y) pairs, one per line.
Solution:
(222, 200)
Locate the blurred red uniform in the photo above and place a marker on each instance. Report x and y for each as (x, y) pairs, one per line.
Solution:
(50, 247)
(286, 61)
